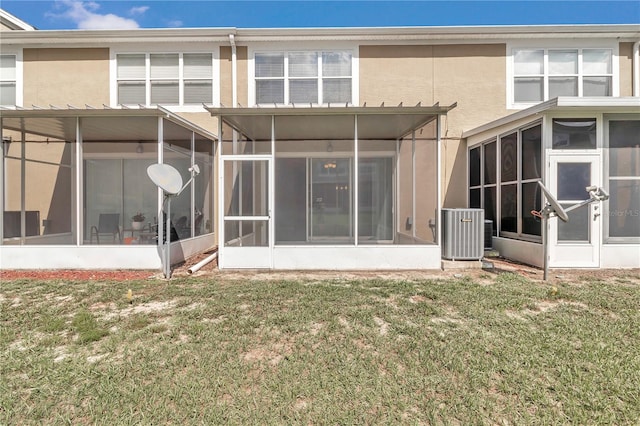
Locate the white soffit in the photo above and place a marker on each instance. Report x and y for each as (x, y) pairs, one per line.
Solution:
(602, 104)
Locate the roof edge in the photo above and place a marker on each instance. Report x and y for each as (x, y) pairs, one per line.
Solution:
(329, 110)
(14, 22)
(242, 35)
(158, 111)
(559, 103)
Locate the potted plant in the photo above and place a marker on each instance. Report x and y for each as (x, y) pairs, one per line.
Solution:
(137, 221)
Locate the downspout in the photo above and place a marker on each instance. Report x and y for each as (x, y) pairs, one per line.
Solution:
(636, 68)
(203, 262)
(234, 71)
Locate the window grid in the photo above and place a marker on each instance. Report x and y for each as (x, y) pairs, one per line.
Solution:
(165, 94)
(319, 80)
(599, 80)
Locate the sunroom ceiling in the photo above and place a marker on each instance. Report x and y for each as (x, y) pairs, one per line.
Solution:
(329, 123)
(105, 125)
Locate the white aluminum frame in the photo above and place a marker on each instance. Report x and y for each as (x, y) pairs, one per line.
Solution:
(580, 254)
(332, 257)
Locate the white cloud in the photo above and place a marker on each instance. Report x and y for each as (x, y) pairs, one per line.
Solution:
(83, 13)
(176, 23)
(138, 10)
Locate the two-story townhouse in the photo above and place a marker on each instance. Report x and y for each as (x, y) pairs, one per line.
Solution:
(319, 148)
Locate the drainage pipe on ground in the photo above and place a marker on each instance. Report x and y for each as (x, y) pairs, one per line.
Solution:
(197, 266)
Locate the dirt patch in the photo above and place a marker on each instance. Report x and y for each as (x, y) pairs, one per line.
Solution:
(76, 275)
(494, 266)
(144, 308)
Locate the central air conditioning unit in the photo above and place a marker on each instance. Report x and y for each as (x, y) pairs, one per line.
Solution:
(463, 234)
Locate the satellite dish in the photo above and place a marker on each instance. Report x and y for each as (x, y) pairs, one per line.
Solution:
(554, 204)
(166, 177)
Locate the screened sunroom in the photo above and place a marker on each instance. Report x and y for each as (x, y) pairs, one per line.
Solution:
(75, 192)
(329, 187)
(568, 144)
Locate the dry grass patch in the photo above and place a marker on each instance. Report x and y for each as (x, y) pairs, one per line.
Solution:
(319, 350)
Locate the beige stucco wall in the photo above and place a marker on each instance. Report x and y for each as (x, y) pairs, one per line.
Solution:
(226, 78)
(474, 76)
(626, 69)
(202, 119)
(66, 76)
(47, 187)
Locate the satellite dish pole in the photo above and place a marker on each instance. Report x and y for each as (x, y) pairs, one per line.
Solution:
(167, 178)
(554, 209)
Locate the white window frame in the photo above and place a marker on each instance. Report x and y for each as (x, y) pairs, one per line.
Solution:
(19, 76)
(168, 50)
(560, 45)
(306, 48)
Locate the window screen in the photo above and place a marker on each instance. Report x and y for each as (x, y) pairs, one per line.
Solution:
(269, 65)
(624, 179)
(576, 133)
(7, 80)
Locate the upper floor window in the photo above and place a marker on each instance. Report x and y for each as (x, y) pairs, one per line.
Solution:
(8, 80)
(303, 77)
(164, 79)
(542, 74)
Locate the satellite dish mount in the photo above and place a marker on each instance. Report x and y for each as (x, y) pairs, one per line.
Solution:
(168, 179)
(554, 209)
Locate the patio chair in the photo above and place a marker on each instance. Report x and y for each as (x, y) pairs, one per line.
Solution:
(108, 224)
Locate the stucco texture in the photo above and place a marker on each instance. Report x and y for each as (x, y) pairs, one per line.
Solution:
(473, 76)
(66, 76)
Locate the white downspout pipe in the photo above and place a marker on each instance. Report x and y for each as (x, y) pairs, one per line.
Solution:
(234, 72)
(197, 266)
(636, 68)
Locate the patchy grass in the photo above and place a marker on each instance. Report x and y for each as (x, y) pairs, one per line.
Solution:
(506, 350)
(86, 327)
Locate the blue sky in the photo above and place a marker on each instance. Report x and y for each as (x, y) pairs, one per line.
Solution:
(102, 14)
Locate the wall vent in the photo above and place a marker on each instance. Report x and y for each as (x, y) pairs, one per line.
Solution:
(463, 234)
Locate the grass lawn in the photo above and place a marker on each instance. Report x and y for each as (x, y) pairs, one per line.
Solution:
(499, 349)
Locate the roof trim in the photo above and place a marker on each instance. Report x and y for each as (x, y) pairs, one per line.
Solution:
(561, 103)
(89, 111)
(436, 109)
(243, 35)
(14, 22)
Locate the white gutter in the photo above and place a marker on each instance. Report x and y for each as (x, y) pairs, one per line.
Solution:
(636, 68)
(234, 72)
(623, 32)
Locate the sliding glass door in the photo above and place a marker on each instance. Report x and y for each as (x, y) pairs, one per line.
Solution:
(325, 187)
(330, 199)
(375, 200)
